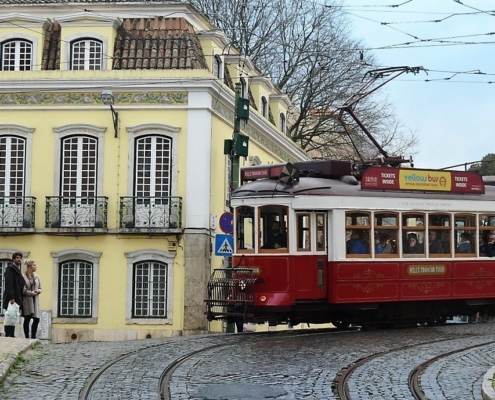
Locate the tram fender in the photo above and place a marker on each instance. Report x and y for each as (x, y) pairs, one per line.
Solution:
(273, 299)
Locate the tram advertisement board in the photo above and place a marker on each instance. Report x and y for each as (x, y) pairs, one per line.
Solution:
(384, 178)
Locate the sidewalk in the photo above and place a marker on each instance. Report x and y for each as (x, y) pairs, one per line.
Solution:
(10, 349)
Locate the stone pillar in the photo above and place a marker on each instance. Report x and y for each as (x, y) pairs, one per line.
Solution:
(197, 259)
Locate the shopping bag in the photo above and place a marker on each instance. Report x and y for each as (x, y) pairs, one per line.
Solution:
(12, 315)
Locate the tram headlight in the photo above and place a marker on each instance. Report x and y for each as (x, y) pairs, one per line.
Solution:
(263, 299)
(242, 284)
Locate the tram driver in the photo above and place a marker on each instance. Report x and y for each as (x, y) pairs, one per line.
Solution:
(276, 239)
(490, 245)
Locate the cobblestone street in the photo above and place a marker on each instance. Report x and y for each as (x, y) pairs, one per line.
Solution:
(258, 366)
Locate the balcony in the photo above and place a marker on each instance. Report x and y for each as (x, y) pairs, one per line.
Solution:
(17, 214)
(150, 214)
(84, 215)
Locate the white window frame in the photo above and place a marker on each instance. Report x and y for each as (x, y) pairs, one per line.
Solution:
(138, 131)
(282, 122)
(23, 37)
(90, 61)
(264, 106)
(79, 130)
(17, 52)
(70, 40)
(83, 255)
(142, 256)
(27, 135)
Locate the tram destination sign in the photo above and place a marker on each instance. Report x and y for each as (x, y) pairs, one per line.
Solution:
(384, 178)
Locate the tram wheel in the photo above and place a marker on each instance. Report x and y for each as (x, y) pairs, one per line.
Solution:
(340, 325)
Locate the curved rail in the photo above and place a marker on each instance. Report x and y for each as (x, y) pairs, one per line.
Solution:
(164, 384)
(414, 381)
(342, 388)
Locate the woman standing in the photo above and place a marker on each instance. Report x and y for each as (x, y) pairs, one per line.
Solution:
(31, 302)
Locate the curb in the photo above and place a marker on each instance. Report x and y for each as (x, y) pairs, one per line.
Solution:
(487, 391)
(11, 358)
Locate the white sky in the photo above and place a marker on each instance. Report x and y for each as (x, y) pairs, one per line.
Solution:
(454, 118)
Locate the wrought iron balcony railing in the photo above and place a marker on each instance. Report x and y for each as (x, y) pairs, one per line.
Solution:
(150, 213)
(76, 212)
(17, 212)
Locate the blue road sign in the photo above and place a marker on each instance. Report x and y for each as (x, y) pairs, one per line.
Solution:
(224, 245)
(227, 222)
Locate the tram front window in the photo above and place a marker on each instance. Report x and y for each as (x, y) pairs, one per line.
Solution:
(244, 229)
(273, 228)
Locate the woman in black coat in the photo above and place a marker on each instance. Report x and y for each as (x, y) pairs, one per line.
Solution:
(14, 288)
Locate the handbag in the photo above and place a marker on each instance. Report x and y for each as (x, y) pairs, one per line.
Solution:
(12, 315)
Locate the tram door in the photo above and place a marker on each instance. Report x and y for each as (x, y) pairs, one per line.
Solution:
(311, 266)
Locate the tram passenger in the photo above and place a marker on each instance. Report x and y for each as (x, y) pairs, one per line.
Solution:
(482, 243)
(356, 244)
(383, 245)
(435, 245)
(464, 245)
(276, 239)
(490, 245)
(413, 246)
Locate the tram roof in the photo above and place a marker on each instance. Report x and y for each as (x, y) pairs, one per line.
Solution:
(345, 186)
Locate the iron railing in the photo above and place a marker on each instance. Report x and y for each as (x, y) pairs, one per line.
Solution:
(150, 212)
(17, 212)
(76, 212)
(230, 292)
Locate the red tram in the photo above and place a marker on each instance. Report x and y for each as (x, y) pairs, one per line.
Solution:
(397, 245)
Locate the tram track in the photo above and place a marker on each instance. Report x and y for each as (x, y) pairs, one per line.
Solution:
(163, 388)
(341, 383)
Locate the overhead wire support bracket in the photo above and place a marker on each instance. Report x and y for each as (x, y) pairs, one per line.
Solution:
(365, 90)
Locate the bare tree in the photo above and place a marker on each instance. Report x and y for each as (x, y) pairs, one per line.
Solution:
(306, 49)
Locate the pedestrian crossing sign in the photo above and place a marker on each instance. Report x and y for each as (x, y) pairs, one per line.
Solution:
(224, 245)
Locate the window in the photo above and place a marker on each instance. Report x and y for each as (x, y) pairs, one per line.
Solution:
(486, 226)
(217, 66)
(3, 266)
(273, 226)
(281, 123)
(12, 166)
(76, 289)
(87, 54)
(464, 234)
(150, 290)
(244, 88)
(78, 184)
(16, 55)
(150, 300)
(244, 235)
(264, 107)
(385, 234)
(439, 235)
(320, 232)
(152, 181)
(357, 234)
(303, 232)
(413, 235)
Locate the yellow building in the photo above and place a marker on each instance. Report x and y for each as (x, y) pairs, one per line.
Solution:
(113, 177)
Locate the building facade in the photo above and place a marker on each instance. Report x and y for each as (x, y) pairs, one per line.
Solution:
(113, 117)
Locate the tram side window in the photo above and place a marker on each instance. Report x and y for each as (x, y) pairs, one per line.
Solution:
(487, 229)
(464, 234)
(385, 234)
(439, 235)
(273, 228)
(303, 232)
(413, 235)
(357, 234)
(244, 235)
(320, 232)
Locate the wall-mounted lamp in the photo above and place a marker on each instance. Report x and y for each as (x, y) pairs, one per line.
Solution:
(108, 100)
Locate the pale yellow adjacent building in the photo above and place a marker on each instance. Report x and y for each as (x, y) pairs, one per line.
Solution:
(113, 177)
